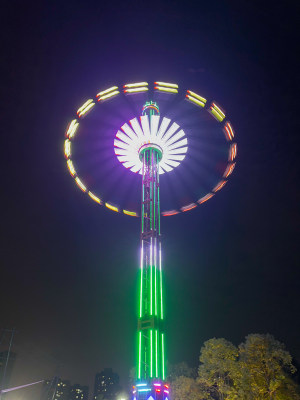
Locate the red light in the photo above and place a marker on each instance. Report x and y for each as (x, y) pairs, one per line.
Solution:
(205, 198)
(169, 213)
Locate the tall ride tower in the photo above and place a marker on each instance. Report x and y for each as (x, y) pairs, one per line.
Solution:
(150, 145)
(150, 365)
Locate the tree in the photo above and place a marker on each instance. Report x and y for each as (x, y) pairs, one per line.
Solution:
(259, 369)
(184, 388)
(180, 369)
(219, 369)
(267, 369)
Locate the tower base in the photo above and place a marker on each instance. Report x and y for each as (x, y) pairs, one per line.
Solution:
(151, 391)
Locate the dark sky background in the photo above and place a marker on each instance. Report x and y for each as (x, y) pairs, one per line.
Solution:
(69, 267)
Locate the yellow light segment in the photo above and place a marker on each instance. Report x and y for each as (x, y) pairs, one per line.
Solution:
(86, 109)
(67, 148)
(84, 106)
(166, 89)
(111, 207)
(107, 91)
(80, 184)
(131, 213)
(193, 94)
(218, 109)
(109, 95)
(198, 102)
(216, 115)
(72, 128)
(219, 186)
(95, 198)
(217, 112)
(71, 167)
(170, 85)
(133, 85)
(136, 90)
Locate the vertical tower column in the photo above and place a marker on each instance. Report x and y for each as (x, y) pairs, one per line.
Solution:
(150, 365)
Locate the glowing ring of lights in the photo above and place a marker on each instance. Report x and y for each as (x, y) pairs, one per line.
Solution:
(169, 88)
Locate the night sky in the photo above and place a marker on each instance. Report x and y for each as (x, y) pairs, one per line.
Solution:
(68, 266)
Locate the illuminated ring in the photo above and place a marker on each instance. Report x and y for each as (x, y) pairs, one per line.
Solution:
(213, 109)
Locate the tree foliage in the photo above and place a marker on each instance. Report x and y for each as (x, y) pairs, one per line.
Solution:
(180, 369)
(267, 367)
(259, 369)
(219, 368)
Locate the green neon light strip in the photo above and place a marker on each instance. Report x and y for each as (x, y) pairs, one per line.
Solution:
(151, 279)
(156, 354)
(155, 272)
(158, 204)
(140, 355)
(154, 190)
(151, 353)
(151, 195)
(141, 285)
(161, 291)
(143, 210)
(163, 355)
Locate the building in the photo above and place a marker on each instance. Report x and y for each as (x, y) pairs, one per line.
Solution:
(106, 385)
(78, 392)
(56, 389)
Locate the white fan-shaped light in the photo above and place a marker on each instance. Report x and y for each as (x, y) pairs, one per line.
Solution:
(157, 130)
